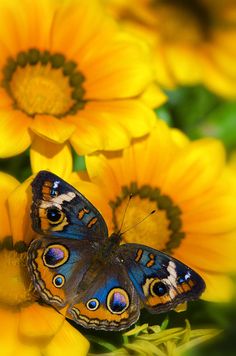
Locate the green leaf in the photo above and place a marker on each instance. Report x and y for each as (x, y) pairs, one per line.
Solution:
(78, 163)
(102, 343)
(164, 114)
(190, 105)
(221, 123)
(165, 323)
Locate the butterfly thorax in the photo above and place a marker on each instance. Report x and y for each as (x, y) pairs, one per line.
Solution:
(110, 245)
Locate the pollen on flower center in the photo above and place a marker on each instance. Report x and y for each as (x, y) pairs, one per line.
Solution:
(44, 83)
(161, 230)
(15, 285)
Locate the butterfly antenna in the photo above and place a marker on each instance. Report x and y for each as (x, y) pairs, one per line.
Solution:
(123, 218)
(139, 222)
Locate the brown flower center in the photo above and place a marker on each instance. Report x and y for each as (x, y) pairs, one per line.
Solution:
(44, 83)
(16, 289)
(161, 230)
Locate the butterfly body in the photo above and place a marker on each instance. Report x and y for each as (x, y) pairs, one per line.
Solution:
(102, 282)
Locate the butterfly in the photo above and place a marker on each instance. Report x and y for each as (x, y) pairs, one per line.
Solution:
(102, 283)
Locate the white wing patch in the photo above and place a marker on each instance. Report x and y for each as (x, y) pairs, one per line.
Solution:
(57, 201)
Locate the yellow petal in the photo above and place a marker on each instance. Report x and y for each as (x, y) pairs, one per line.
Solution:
(26, 349)
(19, 209)
(159, 145)
(45, 155)
(133, 163)
(52, 129)
(85, 37)
(8, 331)
(14, 133)
(124, 78)
(202, 250)
(132, 115)
(180, 139)
(215, 79)
(223, 59)
(224, 39)
(184, 63)
(102, 174)
(110, 125)
(195, 169)
(98, 132)
(164, 76)
(7, 185)
(215, 217)
(153, 96)
(68, 341)
(39, 321)
(219, 287)
(21, 25)
(6, 100)
(38, 32)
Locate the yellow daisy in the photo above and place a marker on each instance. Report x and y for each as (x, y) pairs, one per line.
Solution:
(192, 191)
(27, 327)
(232, 162)
(192, 41)
(69, 74)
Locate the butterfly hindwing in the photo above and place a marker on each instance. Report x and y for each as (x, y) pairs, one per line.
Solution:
(110, 302)
(161, 281)
(57, 266)
(58, 209)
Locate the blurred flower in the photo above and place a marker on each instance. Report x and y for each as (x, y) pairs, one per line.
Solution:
(192, 41)
(27, 327)
(194, 195)
(69, 74)
(153, 340)
(232, 161)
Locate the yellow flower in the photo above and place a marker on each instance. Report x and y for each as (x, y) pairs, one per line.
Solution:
(155, 340)
(191, 189)
(69, 74)
(232, 162)
(27, 327)
(192, 41)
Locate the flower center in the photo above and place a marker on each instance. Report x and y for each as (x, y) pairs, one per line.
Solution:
(44, 83)
(161, 230)
(182, 20)
(16, 288)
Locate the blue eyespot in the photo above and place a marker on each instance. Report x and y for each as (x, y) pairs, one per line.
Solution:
(117, 301)
(55, 255)
(92, 304)
(159, 288)
(54, 214)
(59, 280)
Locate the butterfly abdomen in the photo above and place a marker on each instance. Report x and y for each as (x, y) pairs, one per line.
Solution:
(91, 275)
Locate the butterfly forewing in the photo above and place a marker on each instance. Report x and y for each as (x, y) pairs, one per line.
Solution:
(58, 209)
